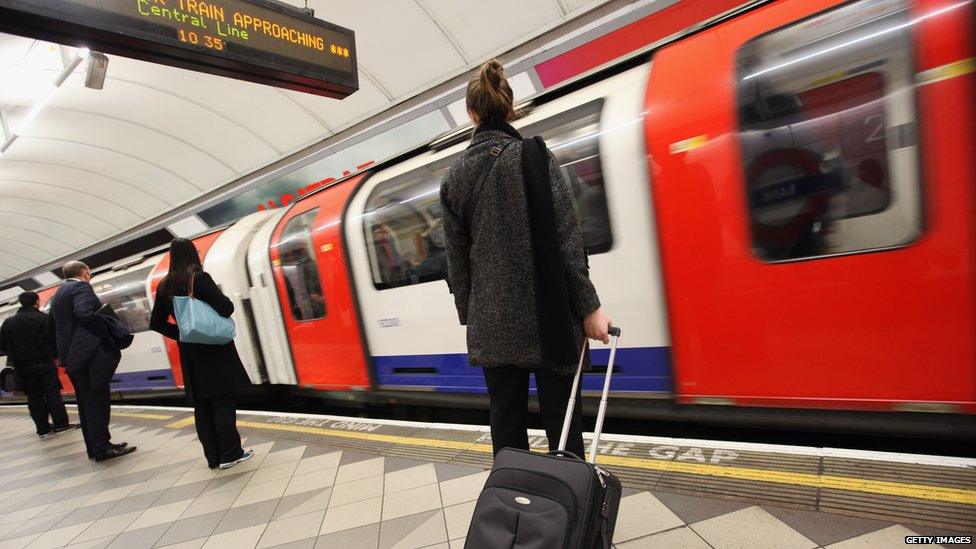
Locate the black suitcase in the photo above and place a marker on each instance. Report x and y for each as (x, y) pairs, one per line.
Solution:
(549, 501)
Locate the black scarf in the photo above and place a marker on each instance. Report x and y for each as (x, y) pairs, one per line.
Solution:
(554, 313)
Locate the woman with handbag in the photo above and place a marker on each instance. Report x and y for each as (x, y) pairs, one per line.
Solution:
(517, 268)
(212, 372)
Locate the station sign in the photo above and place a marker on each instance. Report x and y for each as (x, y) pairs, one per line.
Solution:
(260, 41)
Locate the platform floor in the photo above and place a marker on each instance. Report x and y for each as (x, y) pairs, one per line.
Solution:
(326, 482)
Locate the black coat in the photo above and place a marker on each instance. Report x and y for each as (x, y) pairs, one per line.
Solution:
(208, 370)
(88, 343)
(28, 338)
(491, 267)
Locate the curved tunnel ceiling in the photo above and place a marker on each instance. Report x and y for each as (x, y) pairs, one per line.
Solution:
(95, 163)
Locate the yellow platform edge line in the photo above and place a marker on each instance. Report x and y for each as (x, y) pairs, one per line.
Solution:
(185, 422)
(868, 486)
(116, 414)
(133, 414)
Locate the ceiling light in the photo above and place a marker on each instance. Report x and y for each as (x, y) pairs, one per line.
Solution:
(47, 93)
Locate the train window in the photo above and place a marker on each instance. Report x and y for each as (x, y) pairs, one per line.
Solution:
(826, 114)
(126, 294)
(403, 218)
(573, 138)
(300, 269)
(404, 231)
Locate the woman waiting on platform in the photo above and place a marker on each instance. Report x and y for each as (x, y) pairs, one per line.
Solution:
(517, 268)
(211, 373)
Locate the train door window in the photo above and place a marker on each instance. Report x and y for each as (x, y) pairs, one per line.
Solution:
(827, 132)
(126, 294)
(299, 268)
(403, 218)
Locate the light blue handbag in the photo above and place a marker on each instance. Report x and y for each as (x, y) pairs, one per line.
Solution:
(199, 322)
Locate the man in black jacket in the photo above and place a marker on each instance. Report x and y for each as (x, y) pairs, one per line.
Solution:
(28, 340)
(89, 354)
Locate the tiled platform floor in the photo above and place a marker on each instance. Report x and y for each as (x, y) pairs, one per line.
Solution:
(308, 495)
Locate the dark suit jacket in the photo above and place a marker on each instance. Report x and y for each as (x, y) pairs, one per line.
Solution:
(84, 338)
(208, 370)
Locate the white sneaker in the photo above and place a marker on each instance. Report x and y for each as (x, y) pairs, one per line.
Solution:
(248, 454)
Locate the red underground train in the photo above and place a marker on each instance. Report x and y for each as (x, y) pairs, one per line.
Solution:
(779, 206)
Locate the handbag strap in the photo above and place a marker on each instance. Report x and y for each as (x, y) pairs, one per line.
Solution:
(467, 213)
(193, 276)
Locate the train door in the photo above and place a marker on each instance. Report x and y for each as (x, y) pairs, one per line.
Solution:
(313, 284)
(813, 179)
(7, 310)
(203, 243)
(144, 363)
(45, 296)
(396, 239)
(268, 321)
(227, 264)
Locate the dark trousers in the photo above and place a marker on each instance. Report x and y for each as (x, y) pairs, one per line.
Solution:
(216, 421)
(43, 396)
(94, 409)
(508, 392)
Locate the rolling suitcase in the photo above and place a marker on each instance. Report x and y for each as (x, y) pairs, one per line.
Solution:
(549, 501)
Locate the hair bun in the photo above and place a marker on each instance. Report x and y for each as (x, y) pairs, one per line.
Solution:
(489, 95)
(492, 73)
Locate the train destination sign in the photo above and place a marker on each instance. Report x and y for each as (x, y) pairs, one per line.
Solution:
(256, 40)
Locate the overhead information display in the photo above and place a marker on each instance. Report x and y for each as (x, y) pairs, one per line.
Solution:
(255, 40)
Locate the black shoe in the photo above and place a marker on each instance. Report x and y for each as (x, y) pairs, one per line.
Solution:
(120, 445)
(68, 427)
(114, 452)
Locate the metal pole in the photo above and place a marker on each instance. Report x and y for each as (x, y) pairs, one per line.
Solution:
(564, 434)
(598, 428)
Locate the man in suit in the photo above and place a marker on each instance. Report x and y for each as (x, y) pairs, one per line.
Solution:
(90, 355)
(28, 340)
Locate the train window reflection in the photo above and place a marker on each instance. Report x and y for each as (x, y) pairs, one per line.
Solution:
(827, 128)
(403, 217)
(404, 227)
(573, 138)
(300, 269)
(126, 294)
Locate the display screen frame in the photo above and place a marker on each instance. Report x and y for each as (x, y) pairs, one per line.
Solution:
(77, 24)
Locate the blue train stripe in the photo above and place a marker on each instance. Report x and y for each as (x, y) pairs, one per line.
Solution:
(643, 369)
(138, 381)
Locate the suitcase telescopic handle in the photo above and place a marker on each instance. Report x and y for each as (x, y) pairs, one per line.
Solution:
(598, 429)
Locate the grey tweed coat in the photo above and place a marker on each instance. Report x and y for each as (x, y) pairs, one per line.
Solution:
(490, 272)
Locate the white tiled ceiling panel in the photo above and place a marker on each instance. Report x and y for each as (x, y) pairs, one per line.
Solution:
(96, 163)
(367, 101)
(481, 29)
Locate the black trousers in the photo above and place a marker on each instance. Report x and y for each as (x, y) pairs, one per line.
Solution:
(94, 410)
(508, 392)
(43, 391)
(216, 422)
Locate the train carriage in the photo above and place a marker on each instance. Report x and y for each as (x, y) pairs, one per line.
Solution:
(779, 205)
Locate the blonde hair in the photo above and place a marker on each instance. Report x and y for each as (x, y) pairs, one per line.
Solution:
(489, 96)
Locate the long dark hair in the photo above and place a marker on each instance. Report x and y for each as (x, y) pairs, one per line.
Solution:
(184, 261)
